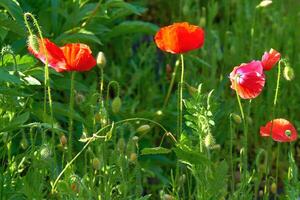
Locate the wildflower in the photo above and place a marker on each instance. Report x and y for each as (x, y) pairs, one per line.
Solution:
(179, 38)
(248, 79)
(281, 130)
(71, 57)
(269, 59)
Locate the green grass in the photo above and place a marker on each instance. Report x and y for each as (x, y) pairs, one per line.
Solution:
(131, 160)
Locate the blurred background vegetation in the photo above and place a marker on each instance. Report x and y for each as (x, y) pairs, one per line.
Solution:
(236, 31)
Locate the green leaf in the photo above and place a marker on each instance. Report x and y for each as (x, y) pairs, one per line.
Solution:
(129, 27)
(81, 35)
(6, 77)
(13, 7)
(11, 25)
(155, 150)
(191, 157)
(16, 122)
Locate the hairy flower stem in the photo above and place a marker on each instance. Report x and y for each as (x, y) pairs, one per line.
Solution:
(180, 107)
(170, 86)
(47, 88)
(245, 130)
(71, 110)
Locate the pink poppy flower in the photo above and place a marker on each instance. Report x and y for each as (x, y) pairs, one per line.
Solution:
(269, 59)
(248, 79)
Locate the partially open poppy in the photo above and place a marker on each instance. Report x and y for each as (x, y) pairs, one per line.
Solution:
(71, 57)
(179, 38)
(269, 59)
(248, 79)
(281, 130)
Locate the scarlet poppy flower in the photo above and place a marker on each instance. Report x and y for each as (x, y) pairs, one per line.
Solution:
(71, 57)
(281, 130)
(248, 79)
(179, 38)
(269, 59)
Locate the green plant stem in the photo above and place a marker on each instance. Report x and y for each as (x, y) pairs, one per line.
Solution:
(277, 166)
(71, 110)
(101, 84)
(180, 108)
(108, 90)
(269, 146)
(47, 78)
(96, 136)
(170, 86)
(245, 157)
(231, 155)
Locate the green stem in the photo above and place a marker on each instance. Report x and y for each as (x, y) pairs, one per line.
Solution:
(47, 78)
(71, 110)
(170, 86)
(181, 96)
(245, 157)
(101, 84)
(231, 155)
(96, 136)
(277, 166)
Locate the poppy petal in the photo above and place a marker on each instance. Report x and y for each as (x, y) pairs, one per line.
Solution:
(179, 38)
(269, 59)
(281, 130)
(54, 54)
(248, 79)
(78, 56)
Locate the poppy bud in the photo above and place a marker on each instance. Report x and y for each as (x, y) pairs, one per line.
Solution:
(182, 179)
(33, 43)
(288, 73)
(24, 143)
(264, 3)
(101, 60)
(135, 139)
(116, 104)
(249, 120)
(143, 128)
(209, 140)
(96, 163)
(168, 197)
(273, 188)
(236, 118)
(261, 193)
(121, 144)
(192, 90)
(133, 157)
(63, 140)
(45, 153)
(79, 98)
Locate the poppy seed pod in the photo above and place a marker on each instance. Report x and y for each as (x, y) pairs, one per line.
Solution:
(101, 59)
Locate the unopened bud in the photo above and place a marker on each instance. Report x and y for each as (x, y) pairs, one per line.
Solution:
(121, 144)
(135, 139)
(264, 3)
(101, 60)
(33, 43)
(143, 128)
(96, 163)
(236, 118)
(63, 140)
(273, 188)
(133, 157)
(116, 104)
(209, 140)
(288, 73)
(261, 193)
(79, 98)
(168, 197)
(24, 143)
(45, 153)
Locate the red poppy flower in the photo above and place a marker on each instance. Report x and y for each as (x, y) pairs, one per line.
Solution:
(248, 79)
(269, 59)
(281, 130)
(179, 38)
(71, 57)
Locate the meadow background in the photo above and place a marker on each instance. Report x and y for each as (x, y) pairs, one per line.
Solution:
(135, 158)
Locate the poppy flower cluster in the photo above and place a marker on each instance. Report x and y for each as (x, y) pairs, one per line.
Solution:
(71, 57)
(248, 79)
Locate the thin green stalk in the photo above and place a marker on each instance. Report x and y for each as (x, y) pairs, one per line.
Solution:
(231, 155)
(273, 115)
(101, 84)
(181, 96)
(277, 166)
(245, 158)
(71, 110)
(170, 86)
